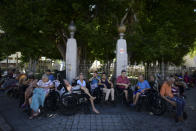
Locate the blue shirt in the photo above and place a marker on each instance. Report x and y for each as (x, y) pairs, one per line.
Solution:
(95, 80)
(51, 77)
(143, 85)
(82, 84)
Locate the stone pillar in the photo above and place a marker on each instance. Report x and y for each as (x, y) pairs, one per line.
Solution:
(121, 52)
(71, 55)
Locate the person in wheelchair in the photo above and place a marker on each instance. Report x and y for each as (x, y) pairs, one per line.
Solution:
(94, 86)
(175, 100)
(108, 88)
(39, 94)
(94, 81)
(123, 84)
(141, 86)
(82, 84)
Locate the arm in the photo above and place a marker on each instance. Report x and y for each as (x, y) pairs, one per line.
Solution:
(162, 93)
(50, 86)
(168, 100)
(147, 86)
(119, 83)
(91, 79)
(111, 84)
(129, 83)
(101, 84)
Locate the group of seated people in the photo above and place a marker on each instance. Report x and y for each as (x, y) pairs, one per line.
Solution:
(169, 91)
(37, 90)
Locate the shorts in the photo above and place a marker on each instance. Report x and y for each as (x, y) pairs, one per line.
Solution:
(135, 92)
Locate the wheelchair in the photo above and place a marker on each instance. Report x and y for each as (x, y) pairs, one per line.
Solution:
(72, 101)
(13, 91)
(52, 101)
(120, 95)
(151, 101)
(98, 93)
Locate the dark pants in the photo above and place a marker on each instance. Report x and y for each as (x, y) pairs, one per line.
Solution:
(180, 104)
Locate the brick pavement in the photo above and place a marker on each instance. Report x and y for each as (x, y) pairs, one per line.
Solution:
(111, 118)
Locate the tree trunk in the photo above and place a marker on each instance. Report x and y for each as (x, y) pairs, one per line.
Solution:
(62, 50)
(34, 66)
(7, 62)
(163, 69)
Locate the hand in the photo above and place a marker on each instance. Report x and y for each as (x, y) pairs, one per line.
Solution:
(142, 91)
(126, 86)
(105, 86)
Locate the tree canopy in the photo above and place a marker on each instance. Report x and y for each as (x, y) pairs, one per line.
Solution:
(156, 29)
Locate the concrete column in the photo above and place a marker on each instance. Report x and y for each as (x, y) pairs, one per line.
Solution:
(71, 55)
(71, 59)
(121, 52)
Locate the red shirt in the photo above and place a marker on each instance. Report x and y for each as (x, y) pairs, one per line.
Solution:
(122, 80)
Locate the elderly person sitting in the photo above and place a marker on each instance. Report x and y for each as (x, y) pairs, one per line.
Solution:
(142, 85)
(39, 95)
(166, 93)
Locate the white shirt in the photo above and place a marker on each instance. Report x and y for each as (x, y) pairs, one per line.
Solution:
(40, 83)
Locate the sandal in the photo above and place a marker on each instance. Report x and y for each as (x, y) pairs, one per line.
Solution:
(34, 115)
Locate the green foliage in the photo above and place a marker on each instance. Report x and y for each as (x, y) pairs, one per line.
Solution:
(164, 29)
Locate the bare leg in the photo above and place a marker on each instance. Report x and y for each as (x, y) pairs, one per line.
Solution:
(126, 95)
(93, 107)
(30, 100)
(87, 92)
(136, 98)
(26, 98)
(133, 97)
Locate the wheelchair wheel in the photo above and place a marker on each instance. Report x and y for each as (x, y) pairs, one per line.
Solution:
(69, 103)
(51, 102)
(158, 106)
(98, 94)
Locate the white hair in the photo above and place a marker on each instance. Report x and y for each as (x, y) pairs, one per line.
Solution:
(44, 76)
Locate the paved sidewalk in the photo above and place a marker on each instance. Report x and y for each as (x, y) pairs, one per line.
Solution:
(111, 119)
(4, 125)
